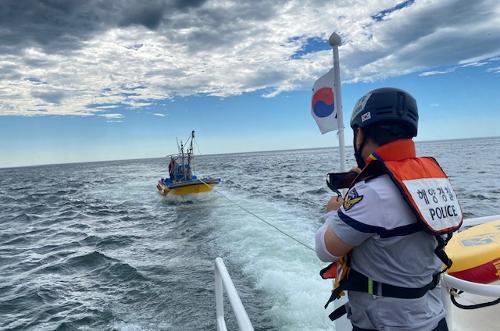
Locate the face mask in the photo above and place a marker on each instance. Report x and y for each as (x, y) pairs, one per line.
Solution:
(357, 153)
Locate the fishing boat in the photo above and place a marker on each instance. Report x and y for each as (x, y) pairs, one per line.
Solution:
(181, 180)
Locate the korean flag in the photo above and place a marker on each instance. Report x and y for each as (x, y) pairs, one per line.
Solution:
(323, 105)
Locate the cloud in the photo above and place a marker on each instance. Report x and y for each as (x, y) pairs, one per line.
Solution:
(50, 96)
(83, 57)
(436, 72)
(427, 34)
(474, 64)
(159, 115)
(380, 16)
(59, 25)
(495, 70)
(115, 116)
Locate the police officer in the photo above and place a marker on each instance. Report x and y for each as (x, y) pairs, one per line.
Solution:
(379, 230)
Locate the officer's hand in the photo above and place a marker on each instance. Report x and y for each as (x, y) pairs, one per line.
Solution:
(334, 203)
(356, 170)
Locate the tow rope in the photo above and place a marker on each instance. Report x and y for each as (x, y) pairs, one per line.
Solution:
(260, 218)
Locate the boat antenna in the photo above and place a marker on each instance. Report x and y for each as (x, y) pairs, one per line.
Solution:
(192, 138)
(182, 158)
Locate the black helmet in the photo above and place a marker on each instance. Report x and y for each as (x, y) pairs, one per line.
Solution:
(385, 105)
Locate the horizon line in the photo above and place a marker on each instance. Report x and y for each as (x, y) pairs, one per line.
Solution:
(229, 153)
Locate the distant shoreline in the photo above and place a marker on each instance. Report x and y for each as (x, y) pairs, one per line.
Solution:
(232, 153)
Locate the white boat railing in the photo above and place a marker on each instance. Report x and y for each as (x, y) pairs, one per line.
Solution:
(449, 283)
(485, 290)
(223, 282)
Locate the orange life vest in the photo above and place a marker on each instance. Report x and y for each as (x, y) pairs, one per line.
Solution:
(428, 192)
(422, 182)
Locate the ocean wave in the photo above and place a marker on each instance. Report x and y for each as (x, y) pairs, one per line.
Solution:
(94, 246)
(108, 242)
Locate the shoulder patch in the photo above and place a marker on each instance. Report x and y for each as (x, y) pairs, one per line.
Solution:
(351, 199)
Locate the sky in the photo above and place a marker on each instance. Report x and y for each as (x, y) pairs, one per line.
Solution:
(107, 79)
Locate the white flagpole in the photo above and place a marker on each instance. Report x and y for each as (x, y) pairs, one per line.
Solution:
(335, 42)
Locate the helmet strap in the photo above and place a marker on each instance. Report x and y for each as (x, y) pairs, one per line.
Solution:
(357, 152)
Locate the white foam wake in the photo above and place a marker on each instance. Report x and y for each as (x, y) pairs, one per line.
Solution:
(284, 270)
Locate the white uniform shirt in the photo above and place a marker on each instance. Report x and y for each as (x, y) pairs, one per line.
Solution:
(377, 221)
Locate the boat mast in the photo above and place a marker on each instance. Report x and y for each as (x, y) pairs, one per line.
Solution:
(190, 152)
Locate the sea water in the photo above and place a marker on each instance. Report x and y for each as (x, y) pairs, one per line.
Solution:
(93, 245)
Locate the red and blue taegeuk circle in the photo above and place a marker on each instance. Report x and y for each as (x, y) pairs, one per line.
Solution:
(322, 102)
